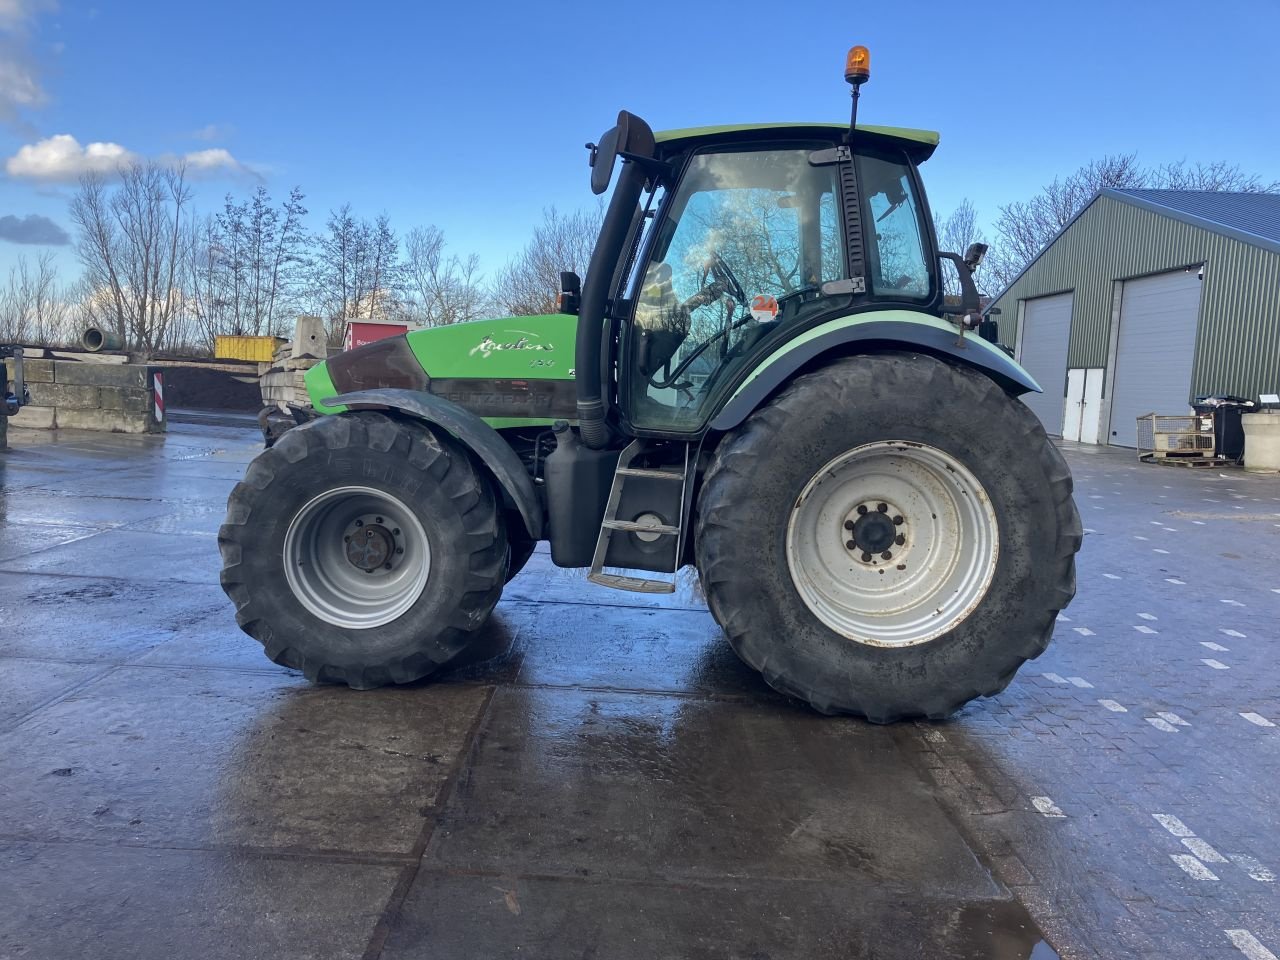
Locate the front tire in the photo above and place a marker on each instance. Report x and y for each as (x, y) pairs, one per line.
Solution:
(891, 536)
(362, 549)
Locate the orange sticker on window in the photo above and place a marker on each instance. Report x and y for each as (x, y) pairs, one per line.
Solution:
(764, 308)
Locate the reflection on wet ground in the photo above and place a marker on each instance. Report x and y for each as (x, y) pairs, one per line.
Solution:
(599, 776)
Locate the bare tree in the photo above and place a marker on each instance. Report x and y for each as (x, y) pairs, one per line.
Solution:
(530, 284)
(441, 287)
(129, 245)
(33, 305)
(355, 270)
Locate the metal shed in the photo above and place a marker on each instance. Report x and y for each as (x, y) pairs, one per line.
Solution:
(1171, 294)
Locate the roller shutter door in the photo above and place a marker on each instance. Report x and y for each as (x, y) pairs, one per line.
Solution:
(1042, 346)
(1155, 350)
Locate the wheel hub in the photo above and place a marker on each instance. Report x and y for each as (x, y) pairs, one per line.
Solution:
(873, 530)
(370, 547)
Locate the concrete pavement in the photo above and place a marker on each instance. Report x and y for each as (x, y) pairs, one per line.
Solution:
(602, 777)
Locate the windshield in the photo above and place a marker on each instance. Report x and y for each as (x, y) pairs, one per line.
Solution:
(747, 240)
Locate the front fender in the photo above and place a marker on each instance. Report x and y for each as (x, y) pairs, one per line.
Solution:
(468, 429)
(878, 330)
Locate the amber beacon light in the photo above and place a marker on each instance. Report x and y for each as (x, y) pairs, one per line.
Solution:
(857, 65)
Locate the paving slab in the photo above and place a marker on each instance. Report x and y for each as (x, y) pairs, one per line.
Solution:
(573, 783)
(127, 903)
(171, 757)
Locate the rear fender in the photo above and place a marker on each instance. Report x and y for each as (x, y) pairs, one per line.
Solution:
(886, 329)
(469, 430)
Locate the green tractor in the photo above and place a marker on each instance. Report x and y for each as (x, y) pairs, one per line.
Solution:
(760, 376)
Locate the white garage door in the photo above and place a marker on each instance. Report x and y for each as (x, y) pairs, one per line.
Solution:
(1154, 351)
(1042, 350)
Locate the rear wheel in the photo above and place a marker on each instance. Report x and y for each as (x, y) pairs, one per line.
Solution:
(910, 539)
(363, 550)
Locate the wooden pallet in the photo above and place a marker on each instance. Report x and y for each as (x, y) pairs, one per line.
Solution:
(1187, 461)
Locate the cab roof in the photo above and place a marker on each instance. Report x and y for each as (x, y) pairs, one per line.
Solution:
(919, 144)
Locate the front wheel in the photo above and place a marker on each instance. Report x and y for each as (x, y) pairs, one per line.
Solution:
(891, 536)
(362, 549)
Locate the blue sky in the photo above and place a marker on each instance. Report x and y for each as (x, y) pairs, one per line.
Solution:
(472, 116)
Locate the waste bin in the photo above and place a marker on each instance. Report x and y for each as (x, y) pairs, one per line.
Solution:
(1228, 434)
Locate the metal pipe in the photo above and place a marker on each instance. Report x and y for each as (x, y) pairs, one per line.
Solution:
(95, 340)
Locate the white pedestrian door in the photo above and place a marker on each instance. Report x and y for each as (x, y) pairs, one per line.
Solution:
(1084, 405)
(1042, 351)
(1155, 350)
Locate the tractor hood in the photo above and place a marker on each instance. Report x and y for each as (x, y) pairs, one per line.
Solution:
(516, 371)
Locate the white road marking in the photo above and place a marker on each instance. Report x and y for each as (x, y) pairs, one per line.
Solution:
(1053, 677)
(1111, 576)
(1198, 523)
(1080, 682)
(1091, 530)
(1062, 619)
(1113, 706)
(1230, 633)
(1181, 583)
(1196, 869)
(1211, 500)
(1252, 867)
(1148, 539)
(1173, 718)
(1161, 724)
(1234, 603)
(1173, 824)
(1143, 628)
(1216, 664)
(1202, 850)
(1083, 631)
(1148, 616)
(934, 736)
(1275, 589)
(1257, 718)
(1248, 944)
(1047, 807)
(1158, 550)
(1215, 646)
(1158, 523)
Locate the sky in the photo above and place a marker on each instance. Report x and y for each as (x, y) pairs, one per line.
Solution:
(472, 116)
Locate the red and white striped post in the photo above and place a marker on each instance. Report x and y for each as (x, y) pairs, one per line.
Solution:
(158, 380)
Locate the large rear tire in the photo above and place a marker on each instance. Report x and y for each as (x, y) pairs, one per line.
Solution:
(362, 549)
(891, 536)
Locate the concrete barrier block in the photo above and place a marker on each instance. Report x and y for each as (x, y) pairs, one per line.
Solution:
(109, 420)
(33, 371)
(35, 418)
(72, 396)
(100, 374)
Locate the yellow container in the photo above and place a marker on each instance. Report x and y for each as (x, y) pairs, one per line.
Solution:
(259, 349)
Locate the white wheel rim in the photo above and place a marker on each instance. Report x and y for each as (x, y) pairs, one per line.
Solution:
(364, 584)
(937, 562)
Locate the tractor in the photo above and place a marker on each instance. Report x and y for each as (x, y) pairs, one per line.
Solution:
(761, 375)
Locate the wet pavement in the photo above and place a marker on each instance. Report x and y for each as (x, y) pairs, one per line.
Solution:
(602, 778)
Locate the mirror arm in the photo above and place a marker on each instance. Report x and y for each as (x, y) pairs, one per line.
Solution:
(654, 168)
(970, 301)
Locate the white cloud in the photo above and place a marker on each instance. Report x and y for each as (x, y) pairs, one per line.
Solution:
(210, 131)
(62, 158)
(19, 87)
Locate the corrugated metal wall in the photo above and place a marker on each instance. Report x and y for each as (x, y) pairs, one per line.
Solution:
(1239, 344)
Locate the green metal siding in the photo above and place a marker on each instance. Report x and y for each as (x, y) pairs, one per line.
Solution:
(1239, 340)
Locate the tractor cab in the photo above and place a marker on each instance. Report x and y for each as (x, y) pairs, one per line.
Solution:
(741, 238)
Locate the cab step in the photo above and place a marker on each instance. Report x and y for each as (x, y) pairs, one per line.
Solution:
(635, 584)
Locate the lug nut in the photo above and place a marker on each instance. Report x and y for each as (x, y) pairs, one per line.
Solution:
(399, 549)
(395, 532)
(359, 523)
(848, 524)
(866, 558)
(346, 539)
(387, 566)
(886, 555)
(882, 507)
(897, 521)
(899, 539)
(850, 544)
(378, 520)
(862, 509)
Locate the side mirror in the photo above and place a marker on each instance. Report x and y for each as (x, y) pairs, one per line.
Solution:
(570, 292)
(973, 256)
(630, 138)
